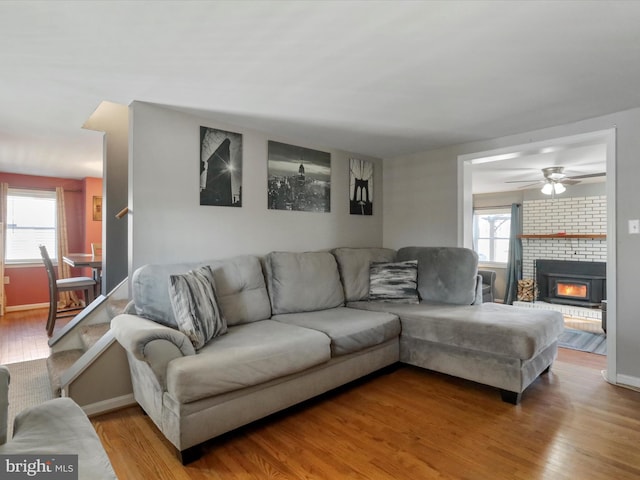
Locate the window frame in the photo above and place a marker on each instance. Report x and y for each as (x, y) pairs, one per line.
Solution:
(474, 229)
(32, 193)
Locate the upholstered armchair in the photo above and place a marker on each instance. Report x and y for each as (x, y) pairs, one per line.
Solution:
(488, 285)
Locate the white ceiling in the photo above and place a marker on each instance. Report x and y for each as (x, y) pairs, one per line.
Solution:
(381, 78)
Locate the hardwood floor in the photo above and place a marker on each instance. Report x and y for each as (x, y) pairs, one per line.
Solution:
(406, 424)
(412, 423)
(23, 335)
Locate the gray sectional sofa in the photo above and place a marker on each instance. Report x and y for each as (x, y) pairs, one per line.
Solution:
(301, 324)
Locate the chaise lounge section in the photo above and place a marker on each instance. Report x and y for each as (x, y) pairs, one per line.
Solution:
(451, 331)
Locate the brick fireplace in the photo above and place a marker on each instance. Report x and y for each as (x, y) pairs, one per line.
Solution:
(562, 217)
(567, 230)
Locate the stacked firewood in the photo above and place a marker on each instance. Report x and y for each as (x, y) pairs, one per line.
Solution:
(526, 290)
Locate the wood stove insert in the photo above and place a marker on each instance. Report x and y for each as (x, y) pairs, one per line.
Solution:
(571, 282)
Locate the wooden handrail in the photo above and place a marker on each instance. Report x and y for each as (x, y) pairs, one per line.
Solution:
(122, 212)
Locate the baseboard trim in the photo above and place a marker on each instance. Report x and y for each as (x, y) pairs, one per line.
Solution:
(28, 306)
(628, 381)
(105, 406)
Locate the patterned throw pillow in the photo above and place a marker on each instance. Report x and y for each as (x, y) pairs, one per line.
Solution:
(394, 282)
(195, 306)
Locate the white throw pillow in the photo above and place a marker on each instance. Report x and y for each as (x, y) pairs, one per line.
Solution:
(195, 306)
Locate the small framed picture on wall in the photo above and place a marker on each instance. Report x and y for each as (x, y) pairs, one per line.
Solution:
(360, 187)
(97, 209)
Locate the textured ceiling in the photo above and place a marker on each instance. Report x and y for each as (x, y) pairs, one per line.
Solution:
(378, 78)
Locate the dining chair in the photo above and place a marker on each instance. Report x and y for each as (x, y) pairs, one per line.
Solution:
(85, 284)
(96, 249)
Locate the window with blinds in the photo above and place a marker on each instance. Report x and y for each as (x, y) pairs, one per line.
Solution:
(31, 221)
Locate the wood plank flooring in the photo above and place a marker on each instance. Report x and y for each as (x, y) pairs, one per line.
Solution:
(23, 335)
(405, 424)
(413, 424)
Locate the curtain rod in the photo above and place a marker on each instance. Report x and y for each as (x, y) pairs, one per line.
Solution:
(489, 207)
(45, 189)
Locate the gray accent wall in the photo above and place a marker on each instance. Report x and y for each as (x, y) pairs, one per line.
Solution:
(168, 224)
(421, 198)
(113, 119)
(421, 209)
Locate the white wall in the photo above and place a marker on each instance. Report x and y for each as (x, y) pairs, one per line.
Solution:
(420, 206)
(169, 225)
(434, 221)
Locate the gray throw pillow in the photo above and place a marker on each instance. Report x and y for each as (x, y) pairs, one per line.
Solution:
(195, 306)
(394, 282)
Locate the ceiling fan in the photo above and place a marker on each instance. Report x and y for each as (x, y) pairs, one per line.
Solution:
(555, 179)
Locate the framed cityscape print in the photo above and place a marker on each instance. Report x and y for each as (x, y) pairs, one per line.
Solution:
(299, 178)
(360, 187)
(220, 168)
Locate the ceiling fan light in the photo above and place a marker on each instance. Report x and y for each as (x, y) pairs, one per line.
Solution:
(547, 188)
(556, 176)
(559, 188)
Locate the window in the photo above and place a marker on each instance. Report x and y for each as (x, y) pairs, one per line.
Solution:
(491, 228)
(31, 221)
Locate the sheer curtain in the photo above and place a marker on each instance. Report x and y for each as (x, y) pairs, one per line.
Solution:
(4, 188)
(66, 299)
(514, 263)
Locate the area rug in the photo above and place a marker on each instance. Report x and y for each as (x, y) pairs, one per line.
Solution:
(29, 386)
(583, 341)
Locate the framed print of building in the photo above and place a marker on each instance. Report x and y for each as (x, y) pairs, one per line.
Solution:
(220, 168)
(299, 178)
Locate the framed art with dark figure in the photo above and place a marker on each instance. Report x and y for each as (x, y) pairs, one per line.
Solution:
(220, 168)
(299, 178)
(360, 187)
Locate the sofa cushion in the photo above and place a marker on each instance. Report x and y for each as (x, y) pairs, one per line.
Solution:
(195, 306)
(498, 329)
(303, 282)
(242, 293)
(445, 274)
(247, 355)
(394, 282)
(353, 264)
(350, 330)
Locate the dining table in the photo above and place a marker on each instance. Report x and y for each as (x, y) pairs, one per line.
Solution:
(94, 262)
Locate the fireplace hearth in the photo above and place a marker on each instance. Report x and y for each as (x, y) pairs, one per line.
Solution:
(567, 282)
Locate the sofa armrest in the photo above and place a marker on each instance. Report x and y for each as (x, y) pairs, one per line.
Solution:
(488, 276)
(151, 342)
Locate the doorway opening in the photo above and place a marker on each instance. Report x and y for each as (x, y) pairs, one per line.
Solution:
(527, 157)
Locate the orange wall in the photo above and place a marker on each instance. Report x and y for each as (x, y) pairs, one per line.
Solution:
(93, 228)
(28, 285)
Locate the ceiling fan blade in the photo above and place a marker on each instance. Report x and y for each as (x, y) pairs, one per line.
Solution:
(521, 181)
(531, 185)
(568, 181)
(589, 175)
